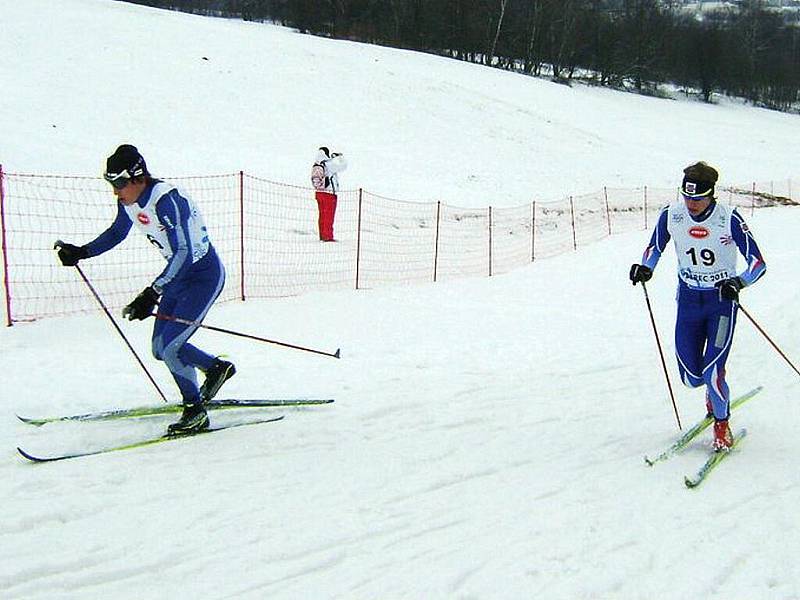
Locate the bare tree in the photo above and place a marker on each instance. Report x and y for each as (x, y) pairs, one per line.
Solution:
(497, 31)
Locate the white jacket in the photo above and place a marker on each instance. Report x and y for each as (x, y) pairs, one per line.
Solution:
(326, 179)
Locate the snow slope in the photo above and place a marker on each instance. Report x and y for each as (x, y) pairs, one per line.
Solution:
(487, 436)
(202, 96)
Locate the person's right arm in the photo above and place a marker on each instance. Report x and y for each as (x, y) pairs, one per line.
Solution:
(112, 236)
(641, 272)
(658, 241)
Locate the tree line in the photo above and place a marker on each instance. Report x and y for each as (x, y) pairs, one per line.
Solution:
(749, 52)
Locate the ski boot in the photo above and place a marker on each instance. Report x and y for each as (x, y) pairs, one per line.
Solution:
(216, 375)
(193, 419)
(723, 438)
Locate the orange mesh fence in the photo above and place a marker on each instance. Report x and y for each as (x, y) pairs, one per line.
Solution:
(267, 236)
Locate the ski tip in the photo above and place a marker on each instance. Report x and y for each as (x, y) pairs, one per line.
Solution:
(30, 457)
(338, 353)
(739, 435)
(32, 421)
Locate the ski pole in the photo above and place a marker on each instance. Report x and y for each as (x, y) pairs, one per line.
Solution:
(764, 333)
(114, 323)
(661, 354)
(164, 317)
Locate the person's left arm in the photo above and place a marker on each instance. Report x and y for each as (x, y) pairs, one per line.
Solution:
(756, 267)
(174, 212)
(335, 164)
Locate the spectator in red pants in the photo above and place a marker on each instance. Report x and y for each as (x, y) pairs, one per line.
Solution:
(325, 179)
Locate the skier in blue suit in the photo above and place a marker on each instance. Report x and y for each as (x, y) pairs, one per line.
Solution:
(187, 287)
(708, 239)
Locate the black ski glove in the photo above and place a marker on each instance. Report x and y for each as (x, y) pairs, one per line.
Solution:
(729, 288)
(640, 273)
(142, 306)
(69, 254)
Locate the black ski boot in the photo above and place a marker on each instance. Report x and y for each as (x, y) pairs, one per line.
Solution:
(193, 419)
(217, 374)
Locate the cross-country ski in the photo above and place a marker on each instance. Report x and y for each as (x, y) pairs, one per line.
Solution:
(696, 429)
(714, 459)
(35, 457)
(163, 409)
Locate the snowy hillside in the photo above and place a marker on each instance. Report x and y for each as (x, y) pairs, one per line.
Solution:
(487, 435)
(201, 96)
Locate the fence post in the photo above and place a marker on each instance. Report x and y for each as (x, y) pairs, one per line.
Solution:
(608, 211)
(5, 247)
(436, 242)
(533, 230)
(241, 234)
(358, 238)
(490, 241)
(574, 235)
(753, 200)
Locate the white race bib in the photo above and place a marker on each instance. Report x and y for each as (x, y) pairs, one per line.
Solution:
(706, 251)
(146, 220)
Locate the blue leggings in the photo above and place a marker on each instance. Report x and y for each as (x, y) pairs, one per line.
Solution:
(703, 337)
(190, 298)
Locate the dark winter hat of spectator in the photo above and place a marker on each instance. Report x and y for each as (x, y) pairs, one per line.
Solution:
(125, 164)
(323, 154)
(698, 181)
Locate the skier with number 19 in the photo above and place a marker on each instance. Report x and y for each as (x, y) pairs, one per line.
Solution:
(706, 236)
(187, 287)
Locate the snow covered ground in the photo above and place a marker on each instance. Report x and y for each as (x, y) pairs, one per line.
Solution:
(488, 434)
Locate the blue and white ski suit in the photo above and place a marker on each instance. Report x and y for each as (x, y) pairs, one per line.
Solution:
(707, 248)
(189, 284)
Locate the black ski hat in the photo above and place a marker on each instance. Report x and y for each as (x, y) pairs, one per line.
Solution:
(126, 159)
(699, 180)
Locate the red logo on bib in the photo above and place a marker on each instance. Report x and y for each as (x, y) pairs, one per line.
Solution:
(145, 220)
(698, 232)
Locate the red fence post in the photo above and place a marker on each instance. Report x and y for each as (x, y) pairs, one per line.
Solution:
(490, 241)
(533, 230)
(241, 232)
(358, 238)
(5, 247)
(574, 234)
(436, 243)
